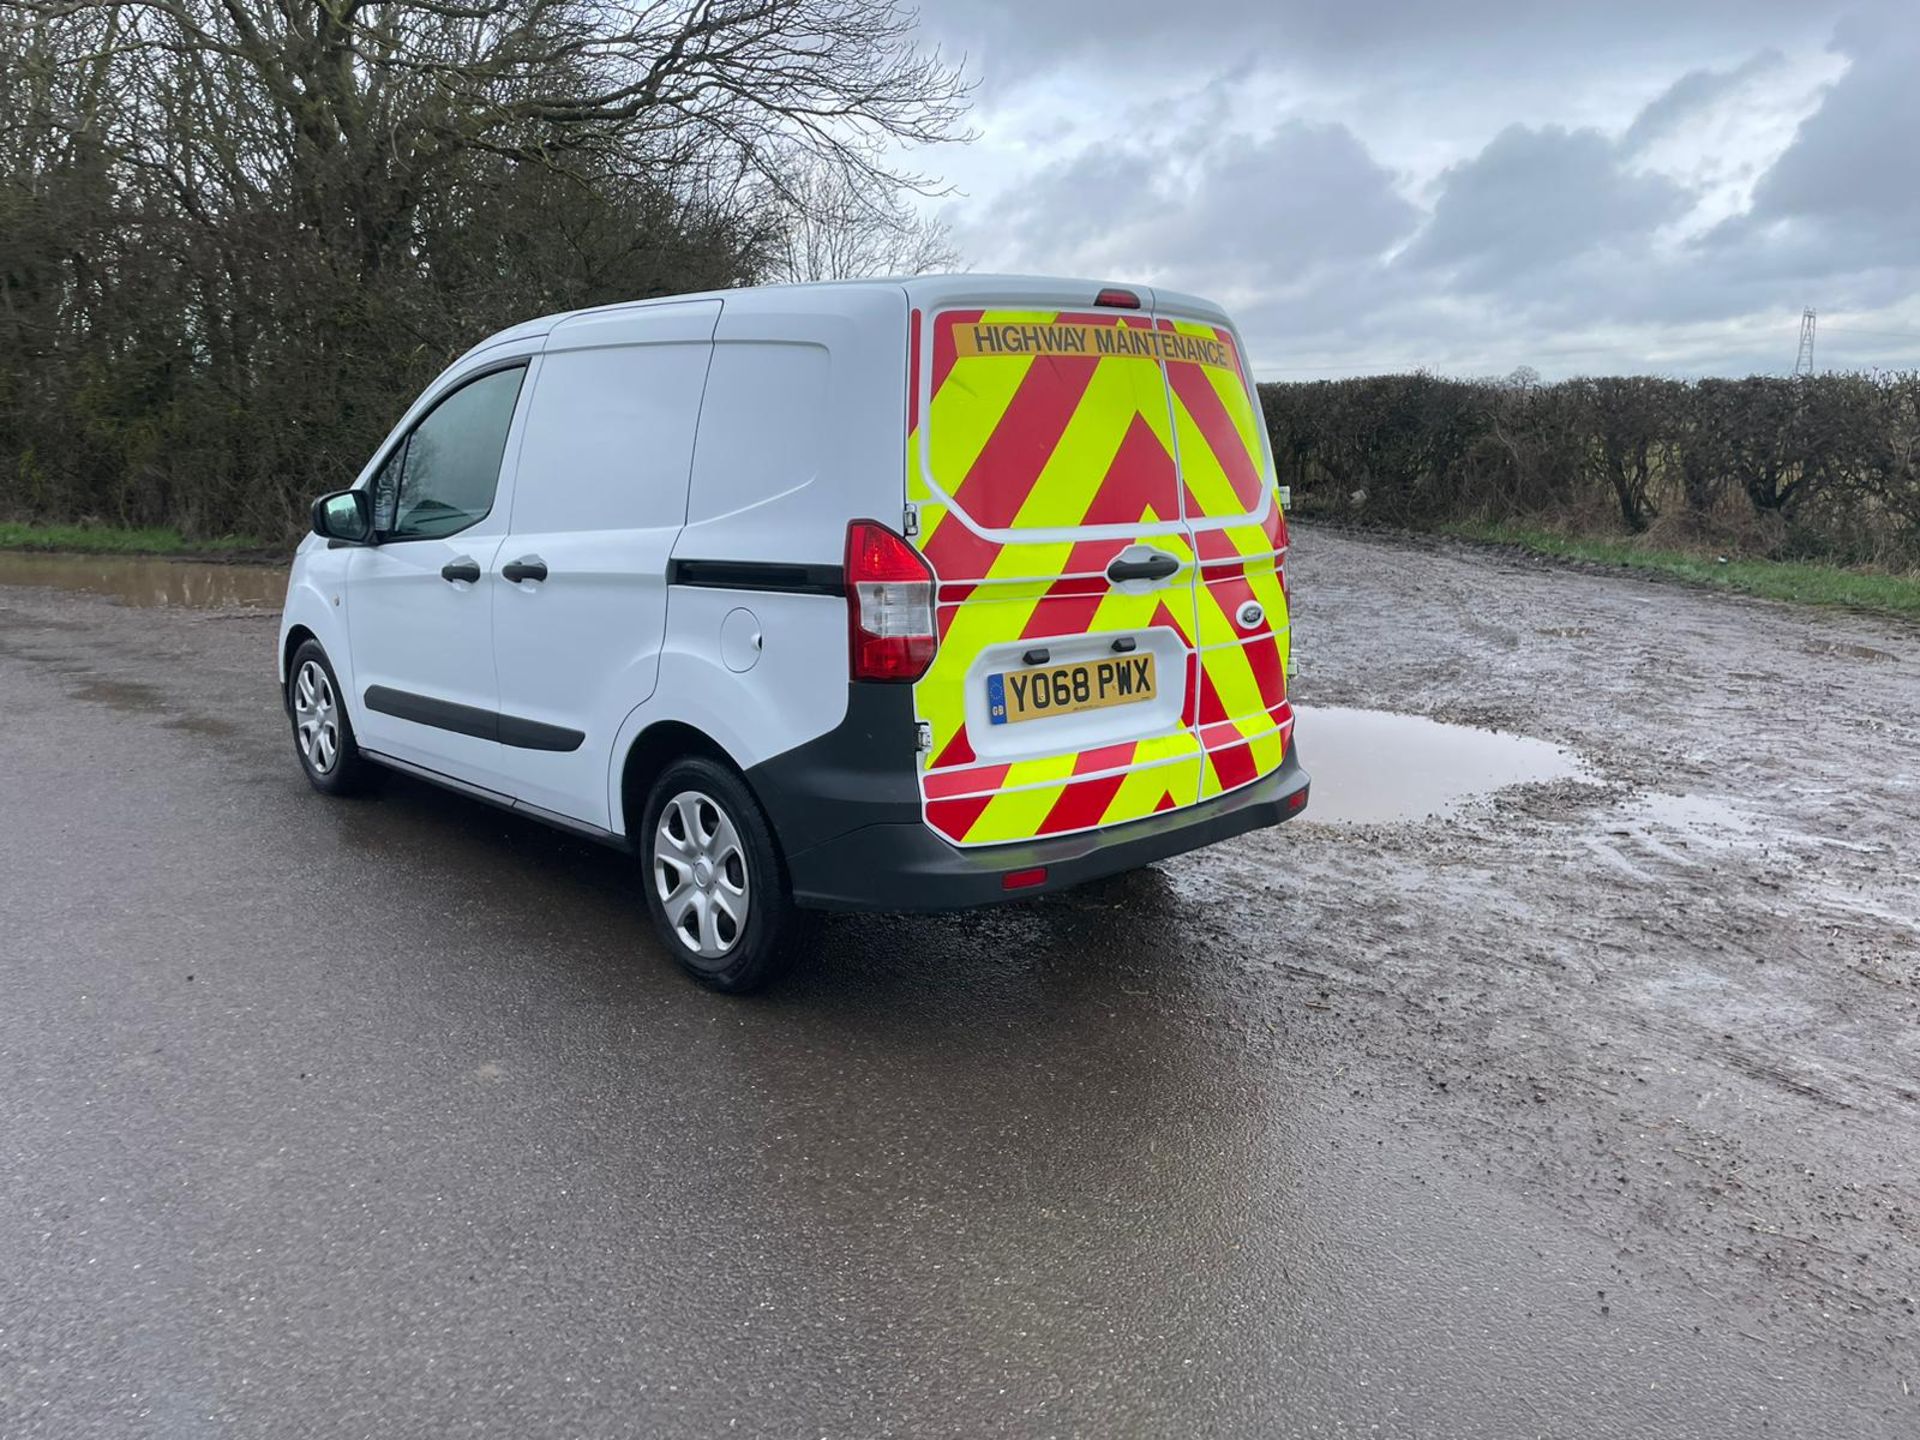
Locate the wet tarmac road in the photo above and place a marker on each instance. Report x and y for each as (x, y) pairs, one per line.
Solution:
(386, 1118)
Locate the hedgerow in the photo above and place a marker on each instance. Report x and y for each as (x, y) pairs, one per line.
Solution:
(1814, 468)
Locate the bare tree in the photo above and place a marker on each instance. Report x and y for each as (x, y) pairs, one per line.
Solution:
(361, 108)
(234, 234)
(836, 229)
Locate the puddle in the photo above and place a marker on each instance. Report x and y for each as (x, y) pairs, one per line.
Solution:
(1370, 767)
(148, 580)
(1851, 652)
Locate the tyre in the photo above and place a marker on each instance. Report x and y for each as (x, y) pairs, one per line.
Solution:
(322, 733)
(715, 885)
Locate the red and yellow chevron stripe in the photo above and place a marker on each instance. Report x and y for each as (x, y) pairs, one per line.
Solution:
(1246, 722)
(1047, 425)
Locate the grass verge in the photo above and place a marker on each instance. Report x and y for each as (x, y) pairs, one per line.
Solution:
(112, 540)
(1770, 579)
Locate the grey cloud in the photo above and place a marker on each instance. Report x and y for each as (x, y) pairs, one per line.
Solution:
(1307, 195)
(1549, 245)
(1856, 158)
(1017, 38)
(1838, 213)
(1234, 210)
(1070, 205)
(1690, 95)
(1534, 198)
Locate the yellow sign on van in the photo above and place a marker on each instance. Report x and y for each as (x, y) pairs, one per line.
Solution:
(1014, 339)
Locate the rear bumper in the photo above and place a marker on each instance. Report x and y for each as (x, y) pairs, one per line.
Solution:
(906, 866)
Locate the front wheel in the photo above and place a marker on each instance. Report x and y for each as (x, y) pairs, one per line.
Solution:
(715, 886)
(322, 733)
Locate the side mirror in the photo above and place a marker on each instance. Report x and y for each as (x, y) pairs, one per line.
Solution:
(345, 515)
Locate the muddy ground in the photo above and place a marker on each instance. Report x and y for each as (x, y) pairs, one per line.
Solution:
(1678, 1003)
(1588, 1108)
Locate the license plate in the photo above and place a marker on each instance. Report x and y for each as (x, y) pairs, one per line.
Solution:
(1015, 695)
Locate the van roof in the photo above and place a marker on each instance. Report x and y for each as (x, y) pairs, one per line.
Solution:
(922, 291)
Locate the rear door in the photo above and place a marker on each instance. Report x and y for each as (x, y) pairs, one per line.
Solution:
(1042, 475)
(1244, 720)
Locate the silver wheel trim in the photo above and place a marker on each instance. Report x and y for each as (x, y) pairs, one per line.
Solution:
(316, 718)
(700, 874)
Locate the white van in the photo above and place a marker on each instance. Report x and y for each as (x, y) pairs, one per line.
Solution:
(880, 595)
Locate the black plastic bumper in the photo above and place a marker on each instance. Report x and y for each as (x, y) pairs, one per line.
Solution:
(906, 866)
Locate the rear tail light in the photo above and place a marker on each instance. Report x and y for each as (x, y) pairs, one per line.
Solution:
(890, 630)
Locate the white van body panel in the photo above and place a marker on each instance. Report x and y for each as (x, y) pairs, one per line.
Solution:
(795, 691)
(803, 424)
(800, 432)
(599, 497)
(316, 604)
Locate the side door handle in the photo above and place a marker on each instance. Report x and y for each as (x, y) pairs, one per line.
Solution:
(1157, 566)
(527, 567)
(465, 568)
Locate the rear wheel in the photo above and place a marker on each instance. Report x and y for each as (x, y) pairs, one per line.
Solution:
(715, 886)
(322, 733)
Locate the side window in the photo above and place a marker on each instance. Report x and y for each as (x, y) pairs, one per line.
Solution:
(443, 476)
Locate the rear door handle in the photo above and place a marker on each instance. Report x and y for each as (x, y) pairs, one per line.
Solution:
(527, 567)
(465, 568)
(1157, 566)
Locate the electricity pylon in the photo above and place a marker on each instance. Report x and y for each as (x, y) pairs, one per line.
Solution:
(1803, 362)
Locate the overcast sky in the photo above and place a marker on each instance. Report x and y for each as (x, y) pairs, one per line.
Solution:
(1584, 186)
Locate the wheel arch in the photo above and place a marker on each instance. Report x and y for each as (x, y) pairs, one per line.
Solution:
(296, 636)
(652, 750)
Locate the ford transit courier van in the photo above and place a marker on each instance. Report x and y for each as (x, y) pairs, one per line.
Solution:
(875, 595)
